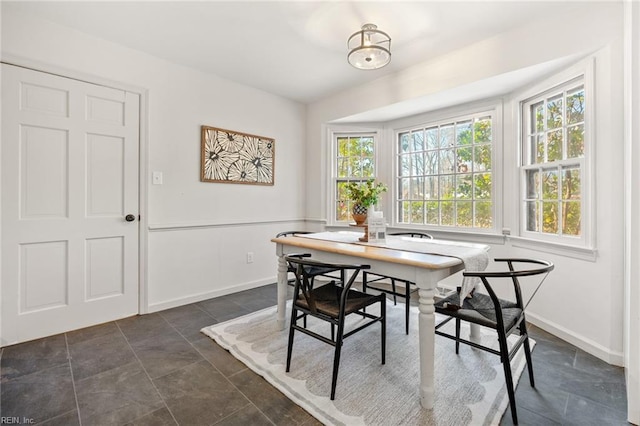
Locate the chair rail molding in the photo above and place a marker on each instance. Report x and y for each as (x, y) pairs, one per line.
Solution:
(157, 227)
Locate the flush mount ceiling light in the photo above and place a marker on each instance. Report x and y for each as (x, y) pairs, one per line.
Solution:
(369, 48)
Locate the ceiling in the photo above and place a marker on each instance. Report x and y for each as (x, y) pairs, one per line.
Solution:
(295, 49)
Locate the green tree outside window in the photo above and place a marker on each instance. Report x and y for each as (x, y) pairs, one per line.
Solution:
(355, 162)
(445, 174)
(556, 146)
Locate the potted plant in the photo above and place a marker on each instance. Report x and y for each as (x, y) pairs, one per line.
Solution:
(363, 195)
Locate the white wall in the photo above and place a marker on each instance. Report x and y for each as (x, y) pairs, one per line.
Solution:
(199, 232)
(582, 301)
(632, 208)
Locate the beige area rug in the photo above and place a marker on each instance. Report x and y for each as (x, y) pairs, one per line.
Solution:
(469, 387)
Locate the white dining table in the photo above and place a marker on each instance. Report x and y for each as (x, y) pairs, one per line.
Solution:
(388, 258)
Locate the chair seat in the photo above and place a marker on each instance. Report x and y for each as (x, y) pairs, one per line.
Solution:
(327, 299)
(480, 309)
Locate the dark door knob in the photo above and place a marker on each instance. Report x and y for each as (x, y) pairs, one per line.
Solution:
(129, 218)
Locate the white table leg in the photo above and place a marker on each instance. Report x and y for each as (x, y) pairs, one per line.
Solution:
(474, 329)
(426, 280)
(282, 291)
(426, 330)
(474, 333)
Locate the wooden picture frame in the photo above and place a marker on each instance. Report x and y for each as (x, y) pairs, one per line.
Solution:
(228, 156)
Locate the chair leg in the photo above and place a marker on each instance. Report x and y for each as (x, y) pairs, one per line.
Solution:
(383, 314)
(336, 360)
(457, 336)
(506, 366)
(393, 289)
(290, 344)
(527, 353)
(407, 300)
(364, 287)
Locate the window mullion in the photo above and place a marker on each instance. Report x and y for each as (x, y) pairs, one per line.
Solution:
(539, 202)
(565, 125)
(559, 199)
(545, 127)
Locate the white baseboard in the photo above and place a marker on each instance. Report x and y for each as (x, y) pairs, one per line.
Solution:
(589, 346)
(208, 295)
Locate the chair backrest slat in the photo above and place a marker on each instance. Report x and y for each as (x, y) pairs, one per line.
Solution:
(303, 284)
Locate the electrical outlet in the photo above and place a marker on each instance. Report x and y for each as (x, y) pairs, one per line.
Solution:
(249, 257)
(157, 178)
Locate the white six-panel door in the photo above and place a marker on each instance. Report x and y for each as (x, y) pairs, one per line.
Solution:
(69, 179)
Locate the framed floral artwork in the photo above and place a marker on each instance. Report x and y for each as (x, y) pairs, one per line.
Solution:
(235, 157)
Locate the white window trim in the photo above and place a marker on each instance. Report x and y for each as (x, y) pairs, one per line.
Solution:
(332, 133)
(582, 253)
(493, 107)
(586, 242)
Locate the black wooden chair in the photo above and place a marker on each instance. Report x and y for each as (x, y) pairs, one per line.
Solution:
(503, 316)
(371, 277)
(332, 303)
(313, 271)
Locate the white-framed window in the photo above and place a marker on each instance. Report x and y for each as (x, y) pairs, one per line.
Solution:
(354, 160)
(445, 173)
(554, 164)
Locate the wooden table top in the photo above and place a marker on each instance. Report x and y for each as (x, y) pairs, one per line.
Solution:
(422, 260)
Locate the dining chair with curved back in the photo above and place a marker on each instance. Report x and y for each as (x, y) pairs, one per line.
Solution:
(505, 316)
(331, 303)
(367, 280)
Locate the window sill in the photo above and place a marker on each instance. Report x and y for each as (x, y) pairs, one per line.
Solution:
(582, 253)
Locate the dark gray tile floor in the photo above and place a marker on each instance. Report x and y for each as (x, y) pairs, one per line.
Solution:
(158, 369)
